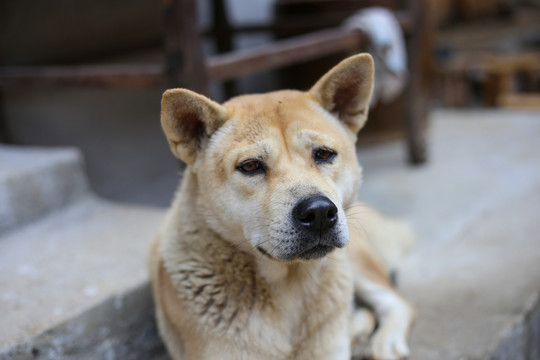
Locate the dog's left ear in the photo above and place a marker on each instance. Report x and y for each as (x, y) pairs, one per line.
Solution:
(346, 90)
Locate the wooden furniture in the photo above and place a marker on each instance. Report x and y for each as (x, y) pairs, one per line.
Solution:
(187, 67)
(503, 80)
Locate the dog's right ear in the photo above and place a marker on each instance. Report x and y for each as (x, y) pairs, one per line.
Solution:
(188, 119)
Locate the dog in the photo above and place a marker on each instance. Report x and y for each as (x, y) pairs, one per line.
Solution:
(265, 249)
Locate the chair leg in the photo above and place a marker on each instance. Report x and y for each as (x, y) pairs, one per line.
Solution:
(224, 39)
(419, 49)
(4, 129)
(185, 63)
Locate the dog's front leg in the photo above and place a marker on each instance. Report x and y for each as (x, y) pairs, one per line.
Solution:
(394, 315)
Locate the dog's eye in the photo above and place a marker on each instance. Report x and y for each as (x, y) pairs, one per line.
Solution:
(323, 155)
(251, 167)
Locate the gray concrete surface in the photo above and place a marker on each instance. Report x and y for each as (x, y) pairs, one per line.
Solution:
(474, 275)
(122, 327)
(66, 263)
(98, 122)
(36, 181)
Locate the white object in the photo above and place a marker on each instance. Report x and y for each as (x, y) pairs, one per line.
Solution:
(387, 45)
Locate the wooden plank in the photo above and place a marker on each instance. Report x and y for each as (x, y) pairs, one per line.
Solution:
(523, 101)
(284, 52)
(110, 76)
(220, 67)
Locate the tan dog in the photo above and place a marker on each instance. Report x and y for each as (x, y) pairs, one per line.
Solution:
(251, 261)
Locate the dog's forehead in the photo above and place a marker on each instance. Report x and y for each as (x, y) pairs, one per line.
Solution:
(260, 114)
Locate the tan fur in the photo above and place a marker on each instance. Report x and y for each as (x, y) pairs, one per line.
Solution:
(227, 274)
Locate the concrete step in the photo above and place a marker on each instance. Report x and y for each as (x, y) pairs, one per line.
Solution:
(121, 327)
(37, 181)
(478, 295)
(474, 275)
(72, 265)
(69, 262)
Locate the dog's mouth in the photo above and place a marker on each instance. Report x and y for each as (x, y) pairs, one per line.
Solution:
(315, 252)
(265, 253)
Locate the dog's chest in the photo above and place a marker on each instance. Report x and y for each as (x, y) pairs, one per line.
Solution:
(316, 312)
(217, 285)
(222, 290)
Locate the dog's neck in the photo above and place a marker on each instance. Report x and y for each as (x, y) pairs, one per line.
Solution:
(277, 272)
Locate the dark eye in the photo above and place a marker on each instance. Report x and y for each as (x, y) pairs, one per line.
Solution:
(252, 167)
(323, 155)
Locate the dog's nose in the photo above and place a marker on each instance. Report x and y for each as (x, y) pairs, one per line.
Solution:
(316, 213)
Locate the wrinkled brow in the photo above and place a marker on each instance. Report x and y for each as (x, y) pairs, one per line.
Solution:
(309, 137)
(259, 150)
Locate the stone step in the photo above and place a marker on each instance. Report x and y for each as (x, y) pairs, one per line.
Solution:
(121, 327)
(36, 181)
(478, 295)
(72, 261)
(72, 266)
(474, 275)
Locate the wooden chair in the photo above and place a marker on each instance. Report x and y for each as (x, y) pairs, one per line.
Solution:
(186, 66)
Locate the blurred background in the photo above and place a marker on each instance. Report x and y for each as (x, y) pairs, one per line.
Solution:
(451, 146)
(477, 54)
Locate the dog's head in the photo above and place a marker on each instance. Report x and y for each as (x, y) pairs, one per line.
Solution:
(276, 171)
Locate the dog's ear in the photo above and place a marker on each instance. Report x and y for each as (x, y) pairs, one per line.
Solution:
(346, 90)
(188, 119)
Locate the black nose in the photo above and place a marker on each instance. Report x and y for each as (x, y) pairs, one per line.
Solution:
(316, 213)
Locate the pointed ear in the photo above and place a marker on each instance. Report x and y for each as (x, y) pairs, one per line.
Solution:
(188, 119)
(346, 90)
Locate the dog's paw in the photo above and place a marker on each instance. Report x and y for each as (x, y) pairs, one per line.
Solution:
(388, 346)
